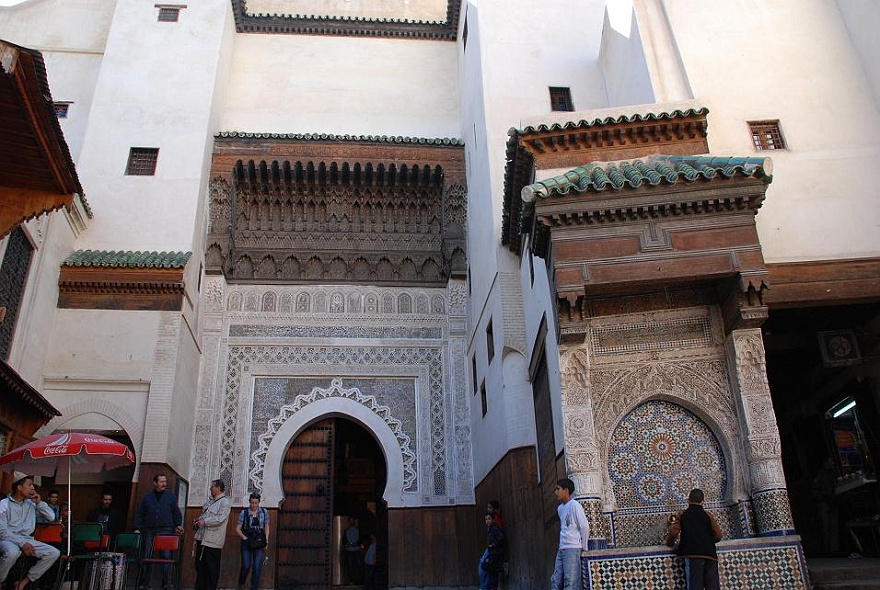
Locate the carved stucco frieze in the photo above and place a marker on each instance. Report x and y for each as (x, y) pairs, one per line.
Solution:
(617, 391)
(213, 294)
(757, 418)
(582, 450)
(277, 334)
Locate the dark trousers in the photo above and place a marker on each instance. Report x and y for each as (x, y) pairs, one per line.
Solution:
(355, 564)
(207, 567)
(147, 537)
(702, 574)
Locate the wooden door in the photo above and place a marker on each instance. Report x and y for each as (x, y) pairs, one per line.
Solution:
(304, 521)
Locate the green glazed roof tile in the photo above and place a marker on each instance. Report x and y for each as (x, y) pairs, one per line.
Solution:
(397, 139)
(678, 113)
(648, 171)
(128, 259)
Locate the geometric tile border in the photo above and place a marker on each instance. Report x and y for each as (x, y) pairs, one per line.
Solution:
(744, 564)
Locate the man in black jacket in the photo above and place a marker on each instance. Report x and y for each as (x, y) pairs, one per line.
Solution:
(699, 532)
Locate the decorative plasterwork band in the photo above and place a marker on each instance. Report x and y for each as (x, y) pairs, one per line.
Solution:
(402, 446)
(296, 24)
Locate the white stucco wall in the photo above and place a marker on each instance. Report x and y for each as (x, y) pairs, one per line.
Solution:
(71, 36)
(52, 236)
(799, 66)
(105, 347)
(341, 85)
(511, 60)
(862, 21)
(622, 58)
(155, 90)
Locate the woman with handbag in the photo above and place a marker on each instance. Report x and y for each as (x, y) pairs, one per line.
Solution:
(253, 528)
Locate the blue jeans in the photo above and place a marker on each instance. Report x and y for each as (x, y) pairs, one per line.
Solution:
(250, 558)
(567, 570)
(488, 580)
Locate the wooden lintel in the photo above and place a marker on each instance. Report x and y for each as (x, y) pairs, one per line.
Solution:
(827, 282)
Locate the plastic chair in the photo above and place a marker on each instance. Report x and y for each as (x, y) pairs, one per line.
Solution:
(166, 543)
(51, 534)
(102, 545)
(83, 534)
(129, 544)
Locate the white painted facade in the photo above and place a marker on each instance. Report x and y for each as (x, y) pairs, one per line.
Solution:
(134, 81)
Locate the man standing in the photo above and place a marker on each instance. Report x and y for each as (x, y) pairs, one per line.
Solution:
(52, 499)
(699, 532)
(18, 519)
(353, 560)
(574, 534)
(107, 515)
(210, 529)
(158, 514)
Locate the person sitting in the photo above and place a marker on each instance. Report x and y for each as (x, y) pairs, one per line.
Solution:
(107, 515)
(18, 519)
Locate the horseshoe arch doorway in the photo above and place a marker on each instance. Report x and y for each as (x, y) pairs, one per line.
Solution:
(333, 470)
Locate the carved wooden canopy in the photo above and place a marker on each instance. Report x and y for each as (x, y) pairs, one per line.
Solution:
(641, 220)
(331, 209)
(38, 174)
(653, 224)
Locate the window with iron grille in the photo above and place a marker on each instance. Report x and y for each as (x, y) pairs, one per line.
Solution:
(169, 14)
(61, 109)
(142, 161)
(14, 270)
(560, 99)
(766, 135)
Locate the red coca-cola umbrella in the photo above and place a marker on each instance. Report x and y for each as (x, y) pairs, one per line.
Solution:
(62, 454)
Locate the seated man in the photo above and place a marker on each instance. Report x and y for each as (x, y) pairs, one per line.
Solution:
(18, 518)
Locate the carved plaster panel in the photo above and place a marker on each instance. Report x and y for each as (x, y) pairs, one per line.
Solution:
(626, 360)
(375, 342)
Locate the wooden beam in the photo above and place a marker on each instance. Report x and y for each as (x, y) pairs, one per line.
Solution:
(825, 282)
(18, 205)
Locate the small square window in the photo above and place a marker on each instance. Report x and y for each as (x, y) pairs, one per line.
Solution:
(169, 13)
(766, 135)
(61, 109)
(142, 161)
(560, 99)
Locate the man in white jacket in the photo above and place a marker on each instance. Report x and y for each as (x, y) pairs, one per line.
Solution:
(18, 519)
(210, 536)
(574, 535)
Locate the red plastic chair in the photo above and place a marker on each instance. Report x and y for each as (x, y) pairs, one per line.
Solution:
(162, 543)
(51, 534)
(102, 545)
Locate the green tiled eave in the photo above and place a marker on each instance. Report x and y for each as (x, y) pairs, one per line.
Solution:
(127, 259)
(648, 171)
(586, 123)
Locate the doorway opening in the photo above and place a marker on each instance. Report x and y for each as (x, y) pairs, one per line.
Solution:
(333, 476)
(821, 366)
